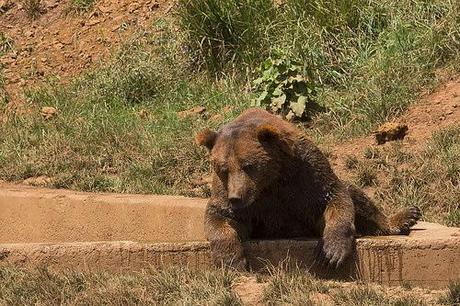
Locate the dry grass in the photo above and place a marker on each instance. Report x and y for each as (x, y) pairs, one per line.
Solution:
(178, 286)
(167, 287)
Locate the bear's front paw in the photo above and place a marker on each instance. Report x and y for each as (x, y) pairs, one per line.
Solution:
(334, 250)
(403, 220)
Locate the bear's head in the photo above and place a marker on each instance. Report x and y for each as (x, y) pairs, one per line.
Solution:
(246, 159)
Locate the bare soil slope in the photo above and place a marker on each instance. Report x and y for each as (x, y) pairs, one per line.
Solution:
(63, 42)
(433, 112)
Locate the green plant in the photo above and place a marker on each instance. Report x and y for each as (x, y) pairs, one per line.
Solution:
(285, 86)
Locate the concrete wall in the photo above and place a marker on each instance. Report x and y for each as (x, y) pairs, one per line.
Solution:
(33, 215)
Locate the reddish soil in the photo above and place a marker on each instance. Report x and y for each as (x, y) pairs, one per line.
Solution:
(434, 111)
(62, 43)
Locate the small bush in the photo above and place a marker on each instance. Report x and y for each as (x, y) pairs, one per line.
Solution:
(366, 175)
(286, 87)
(351, 162)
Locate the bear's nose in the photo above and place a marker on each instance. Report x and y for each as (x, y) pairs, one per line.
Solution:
(235, 202)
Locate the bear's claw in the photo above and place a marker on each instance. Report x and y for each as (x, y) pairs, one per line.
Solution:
(405, 219)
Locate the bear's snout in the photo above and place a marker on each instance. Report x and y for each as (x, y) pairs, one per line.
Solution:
(236, 203)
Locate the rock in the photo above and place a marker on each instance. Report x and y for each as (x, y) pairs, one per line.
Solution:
(48, 112)
(207, 180)
(216, 117)
(197, 110)
(390, 131)
(143, 114)
(38, 181)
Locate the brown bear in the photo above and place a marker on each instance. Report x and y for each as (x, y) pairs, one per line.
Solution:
(270, 181)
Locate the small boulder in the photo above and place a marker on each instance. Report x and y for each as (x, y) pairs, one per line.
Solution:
(48, 112)
(390, 131)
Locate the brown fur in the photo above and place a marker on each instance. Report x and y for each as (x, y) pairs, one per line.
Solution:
(269, 181)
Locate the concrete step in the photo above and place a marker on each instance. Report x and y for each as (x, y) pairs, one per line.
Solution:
(63, 229)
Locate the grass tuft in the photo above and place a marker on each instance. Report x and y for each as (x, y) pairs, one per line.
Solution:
(33, 8)
(453, 295)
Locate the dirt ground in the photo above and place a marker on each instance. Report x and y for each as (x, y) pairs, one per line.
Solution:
(62, 43)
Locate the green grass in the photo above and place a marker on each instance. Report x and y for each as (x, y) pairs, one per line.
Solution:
(118, 129)
(453, 295)
(299, 288)
(99, 141)
(370, 58)
(6, 44)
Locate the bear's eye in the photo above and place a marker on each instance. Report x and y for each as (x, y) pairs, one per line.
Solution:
(221, 171)
(248, 167)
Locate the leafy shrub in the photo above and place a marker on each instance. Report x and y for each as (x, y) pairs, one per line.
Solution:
(285, 86)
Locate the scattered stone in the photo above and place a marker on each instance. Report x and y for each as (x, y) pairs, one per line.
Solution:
(197, 110)
(143, 114)
(93, 22)
(48, 112)
(390, 131)
(206, 180)
(29, 33)
(38, 181)
(216, 117)
(449, 112)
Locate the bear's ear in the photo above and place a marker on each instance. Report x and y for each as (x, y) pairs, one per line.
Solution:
(206, 138)
(267, 133)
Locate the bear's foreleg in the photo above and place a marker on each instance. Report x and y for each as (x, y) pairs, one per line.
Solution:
(338, 228)
(225, 237)
(370, 220)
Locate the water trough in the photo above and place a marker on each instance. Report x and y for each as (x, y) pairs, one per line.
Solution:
(84, 231)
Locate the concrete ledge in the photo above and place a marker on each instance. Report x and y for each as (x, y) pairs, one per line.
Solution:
(420, 259)
(63, 229)
(35, 215)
